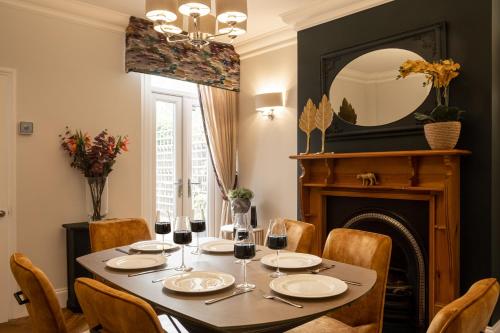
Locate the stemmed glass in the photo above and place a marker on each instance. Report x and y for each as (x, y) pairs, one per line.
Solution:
(277, 240)
(182, 236)
(244, 249)
(162, 228)
(198, 226)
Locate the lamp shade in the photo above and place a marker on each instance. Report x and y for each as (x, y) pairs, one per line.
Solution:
(237, 30)
(194, 7)
(161, 10)
(266, 102)
(231, 10)
(169, 27)
(206, 24)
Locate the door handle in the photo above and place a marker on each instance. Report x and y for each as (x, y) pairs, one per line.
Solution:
(3, 213)
(179, 185)
(190, 183)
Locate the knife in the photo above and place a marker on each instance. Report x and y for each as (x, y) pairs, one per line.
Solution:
(151, 271)
(235, 293)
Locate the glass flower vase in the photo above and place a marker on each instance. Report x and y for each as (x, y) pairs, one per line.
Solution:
(96, 197)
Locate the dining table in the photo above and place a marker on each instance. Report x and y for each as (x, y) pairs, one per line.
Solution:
(247, 312)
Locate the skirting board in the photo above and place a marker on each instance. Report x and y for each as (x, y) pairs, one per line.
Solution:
(19, 311)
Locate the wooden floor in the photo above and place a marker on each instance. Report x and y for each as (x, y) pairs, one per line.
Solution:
(76, 323)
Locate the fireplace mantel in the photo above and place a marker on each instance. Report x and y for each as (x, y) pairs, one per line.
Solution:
(425, 175)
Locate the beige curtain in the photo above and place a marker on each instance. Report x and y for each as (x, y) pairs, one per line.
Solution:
(220, 114)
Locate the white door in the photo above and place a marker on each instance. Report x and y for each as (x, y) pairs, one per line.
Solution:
(6, 103)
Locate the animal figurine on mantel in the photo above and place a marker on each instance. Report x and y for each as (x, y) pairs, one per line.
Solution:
(368, 179)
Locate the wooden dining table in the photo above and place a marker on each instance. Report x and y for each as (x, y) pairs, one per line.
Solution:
(248, 312)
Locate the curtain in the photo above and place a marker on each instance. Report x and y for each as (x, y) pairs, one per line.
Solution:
(148, 52)
(220, 115)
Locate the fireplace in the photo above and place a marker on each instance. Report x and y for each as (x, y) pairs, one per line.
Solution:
(406, 222)
(414, 197)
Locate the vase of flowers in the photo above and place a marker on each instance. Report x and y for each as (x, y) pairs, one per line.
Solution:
(240, 200)
(442, 125)
(95, 159)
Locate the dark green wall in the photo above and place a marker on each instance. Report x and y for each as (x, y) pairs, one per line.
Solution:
(469, 41)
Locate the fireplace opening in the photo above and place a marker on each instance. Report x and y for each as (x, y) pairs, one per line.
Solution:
(405, 304)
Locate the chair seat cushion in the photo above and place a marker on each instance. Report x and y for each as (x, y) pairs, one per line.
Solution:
(329, 325)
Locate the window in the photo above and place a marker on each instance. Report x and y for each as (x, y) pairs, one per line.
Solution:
(182, 179)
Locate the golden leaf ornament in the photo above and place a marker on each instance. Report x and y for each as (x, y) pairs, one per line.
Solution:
(307, 121)
(324, 118)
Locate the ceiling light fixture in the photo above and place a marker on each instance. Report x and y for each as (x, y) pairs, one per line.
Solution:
(202, 25)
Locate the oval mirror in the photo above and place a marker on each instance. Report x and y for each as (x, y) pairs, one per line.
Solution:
(367, 93)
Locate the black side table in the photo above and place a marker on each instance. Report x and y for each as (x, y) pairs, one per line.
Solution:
(77, 244)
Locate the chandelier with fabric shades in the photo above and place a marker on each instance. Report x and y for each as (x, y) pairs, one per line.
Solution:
(198, 21)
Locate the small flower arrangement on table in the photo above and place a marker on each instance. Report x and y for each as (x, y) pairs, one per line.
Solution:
(94, 158)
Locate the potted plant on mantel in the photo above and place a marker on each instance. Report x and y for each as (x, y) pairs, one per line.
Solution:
(240, 200)
(442, 126)
(95, 159)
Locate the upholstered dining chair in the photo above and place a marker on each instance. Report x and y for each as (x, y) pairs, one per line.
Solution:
(41, 301)
(300, 236)
(365, 315)
(112, 311)
(469, 313)
(117, 232)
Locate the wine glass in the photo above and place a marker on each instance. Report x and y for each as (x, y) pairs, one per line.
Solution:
(244, 249)
(182, 236)
(277, 240)
(239, 222)
(198, 226)
(162, 228)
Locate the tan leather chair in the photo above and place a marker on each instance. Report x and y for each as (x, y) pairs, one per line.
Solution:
(469, 313)
(112, 311)
(41, 300)
(300, 236)
(108, 234)
(364, 315)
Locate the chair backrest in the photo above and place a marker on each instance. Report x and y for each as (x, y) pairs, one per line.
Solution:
(469, 313)
(112, 311)
(117, 232)
(43, 307)
(300, 236)
(369, 250)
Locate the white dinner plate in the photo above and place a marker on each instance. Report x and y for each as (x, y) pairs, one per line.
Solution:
(308, 286)
(153, 246)
(218, 246)
(137, 261)
(291, 260)
(198, 282)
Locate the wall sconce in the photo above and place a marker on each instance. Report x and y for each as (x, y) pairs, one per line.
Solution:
(267, 103)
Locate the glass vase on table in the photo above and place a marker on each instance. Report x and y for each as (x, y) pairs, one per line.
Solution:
(244, 250)
(277, 240)
(182, 236)
(162, 228)
(198, 225)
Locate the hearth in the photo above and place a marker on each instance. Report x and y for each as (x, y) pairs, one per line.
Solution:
(406, 222)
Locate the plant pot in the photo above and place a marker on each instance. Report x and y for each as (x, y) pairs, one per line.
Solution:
(240, 205)
(443, 135)
(96, 197)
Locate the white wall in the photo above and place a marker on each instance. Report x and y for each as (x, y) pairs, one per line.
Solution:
(264, 145)
(68, 74)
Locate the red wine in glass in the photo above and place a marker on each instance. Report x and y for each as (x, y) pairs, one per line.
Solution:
(277, 242)
(182, 237)
(244, 251)
(163, 228)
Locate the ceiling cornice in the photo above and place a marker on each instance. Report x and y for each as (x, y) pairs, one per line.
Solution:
(267, 42)
(75, 11)
(321, 11)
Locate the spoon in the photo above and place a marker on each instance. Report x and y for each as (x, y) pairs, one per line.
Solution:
(321, 269)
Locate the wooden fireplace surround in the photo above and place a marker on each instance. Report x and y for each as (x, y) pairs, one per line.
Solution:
(425, 175)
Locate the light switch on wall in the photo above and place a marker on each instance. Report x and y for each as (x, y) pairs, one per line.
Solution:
(25, 127)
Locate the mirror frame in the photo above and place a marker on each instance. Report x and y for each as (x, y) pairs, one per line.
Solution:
(429, 42)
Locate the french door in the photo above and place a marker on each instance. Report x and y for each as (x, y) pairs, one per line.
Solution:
(182, 162)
